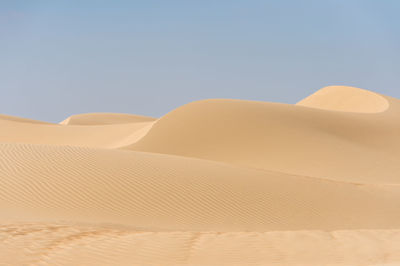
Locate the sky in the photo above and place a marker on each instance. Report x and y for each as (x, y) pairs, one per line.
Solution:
(59, 58)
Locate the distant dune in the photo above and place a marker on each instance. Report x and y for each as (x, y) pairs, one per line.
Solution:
(214, 182)
(105, 119)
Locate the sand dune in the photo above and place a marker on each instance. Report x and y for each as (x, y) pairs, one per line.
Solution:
(286, 138)
(214, 182)
(346, 99)
(105, 119)
(101, 136)
(21, 120)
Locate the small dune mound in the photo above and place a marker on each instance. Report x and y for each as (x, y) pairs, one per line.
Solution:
(105, 119)
(19, 130)
(22, 120)
(346, 99)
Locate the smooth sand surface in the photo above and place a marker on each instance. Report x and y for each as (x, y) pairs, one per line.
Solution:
(214, 182)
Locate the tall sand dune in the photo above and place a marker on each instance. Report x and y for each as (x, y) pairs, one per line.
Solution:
(214, 182)
(347, 146)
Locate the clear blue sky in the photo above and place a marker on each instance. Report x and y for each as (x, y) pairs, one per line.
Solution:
(148, 57)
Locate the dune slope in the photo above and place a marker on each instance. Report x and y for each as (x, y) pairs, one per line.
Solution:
(144, 190)
(347, 146)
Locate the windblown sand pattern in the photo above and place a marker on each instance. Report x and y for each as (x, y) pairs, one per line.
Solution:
(214, 182)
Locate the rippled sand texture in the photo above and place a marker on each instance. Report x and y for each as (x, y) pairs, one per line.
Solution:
(214, 182)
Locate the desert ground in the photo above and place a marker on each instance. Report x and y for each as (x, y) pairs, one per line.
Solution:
(213, 182)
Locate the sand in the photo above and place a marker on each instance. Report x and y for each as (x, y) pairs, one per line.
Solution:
(214, 182)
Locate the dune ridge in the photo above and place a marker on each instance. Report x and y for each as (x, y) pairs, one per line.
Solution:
(213, 182)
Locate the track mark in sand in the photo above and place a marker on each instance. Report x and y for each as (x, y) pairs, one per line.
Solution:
(69, 240)
(191, 245)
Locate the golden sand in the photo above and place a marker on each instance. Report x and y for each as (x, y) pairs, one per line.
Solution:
(214, 182)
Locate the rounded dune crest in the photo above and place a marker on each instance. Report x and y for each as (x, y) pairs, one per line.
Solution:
(346, 99)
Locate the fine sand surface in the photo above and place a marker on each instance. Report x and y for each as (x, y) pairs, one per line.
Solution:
(214, 182)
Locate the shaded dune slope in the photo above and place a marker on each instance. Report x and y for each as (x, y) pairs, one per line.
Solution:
(356, 147)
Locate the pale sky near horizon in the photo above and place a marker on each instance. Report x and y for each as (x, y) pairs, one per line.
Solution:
(59, 58)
